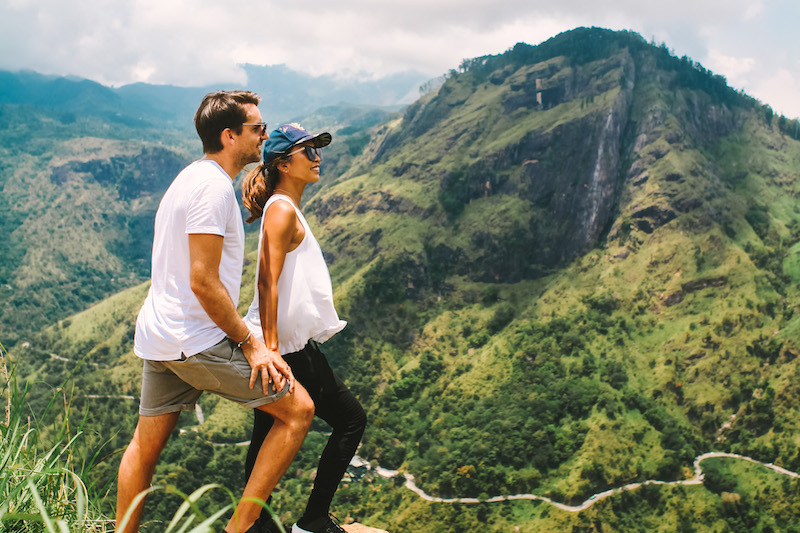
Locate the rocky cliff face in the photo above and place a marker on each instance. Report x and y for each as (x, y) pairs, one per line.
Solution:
(533, 162)
(573, 171)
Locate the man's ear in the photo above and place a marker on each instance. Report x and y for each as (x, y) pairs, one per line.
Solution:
(227, 138)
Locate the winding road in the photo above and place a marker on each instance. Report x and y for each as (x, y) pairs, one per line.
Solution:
(696, 480)
(358, 462)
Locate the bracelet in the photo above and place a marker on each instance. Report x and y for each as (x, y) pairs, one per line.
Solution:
(239, 344)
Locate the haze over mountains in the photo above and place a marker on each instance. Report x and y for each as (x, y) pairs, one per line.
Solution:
(286, 94)
(571, 267)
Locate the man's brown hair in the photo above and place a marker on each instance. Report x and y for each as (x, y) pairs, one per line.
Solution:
(220, 110)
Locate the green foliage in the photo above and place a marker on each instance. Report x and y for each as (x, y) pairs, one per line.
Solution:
(718, 478)
(48, 478)
(77, 212)
(462, 185)
(556, 297)
(758, 217)
(38, 490)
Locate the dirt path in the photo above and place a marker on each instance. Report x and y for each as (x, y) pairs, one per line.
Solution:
(696, 480)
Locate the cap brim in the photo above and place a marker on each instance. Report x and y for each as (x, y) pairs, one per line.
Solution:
(317, 141)
(323, 139)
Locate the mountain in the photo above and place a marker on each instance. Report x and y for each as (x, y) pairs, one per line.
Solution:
(575, 250)
(287, 95)
(571, 267)
(278, 85)
(567, 270)
(84, 167)
(35, 89)
(78, 198)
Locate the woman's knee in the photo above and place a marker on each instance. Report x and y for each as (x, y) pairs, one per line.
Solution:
(360, 424)
(358, 417)
(353, 422)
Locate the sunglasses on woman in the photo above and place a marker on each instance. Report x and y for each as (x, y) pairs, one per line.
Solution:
(311, 152)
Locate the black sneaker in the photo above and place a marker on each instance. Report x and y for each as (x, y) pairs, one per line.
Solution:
(268, 525)
(325, 524)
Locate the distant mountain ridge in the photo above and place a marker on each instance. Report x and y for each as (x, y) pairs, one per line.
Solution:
(286, 94)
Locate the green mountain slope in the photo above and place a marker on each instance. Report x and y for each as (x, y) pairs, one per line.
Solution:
(80, 187)
(566, 270)
(78, 198)
(570, 268)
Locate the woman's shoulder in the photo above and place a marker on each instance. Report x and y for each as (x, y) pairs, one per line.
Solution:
(280, 203)
(279, 208)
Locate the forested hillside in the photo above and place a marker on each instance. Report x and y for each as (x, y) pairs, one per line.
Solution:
(571, 267)
(78, 198)
(82, 169)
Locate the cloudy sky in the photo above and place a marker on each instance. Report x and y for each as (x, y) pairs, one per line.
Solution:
(753, 43)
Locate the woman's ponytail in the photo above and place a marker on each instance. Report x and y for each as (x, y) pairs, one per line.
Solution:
(255, 193)
(259, 184)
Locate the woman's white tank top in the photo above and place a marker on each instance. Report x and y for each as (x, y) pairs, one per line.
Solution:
(305, 294)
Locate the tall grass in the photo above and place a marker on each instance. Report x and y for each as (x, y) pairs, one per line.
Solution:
(41, 482)
(38, 492)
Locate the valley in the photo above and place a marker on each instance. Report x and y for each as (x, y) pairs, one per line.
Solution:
(570, 272)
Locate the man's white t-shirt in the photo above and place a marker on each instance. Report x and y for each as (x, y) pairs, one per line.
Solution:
(201, 200)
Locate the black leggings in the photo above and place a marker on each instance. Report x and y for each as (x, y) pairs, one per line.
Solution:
(333, 403)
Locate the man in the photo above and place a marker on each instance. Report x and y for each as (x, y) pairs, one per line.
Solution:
(189, 333)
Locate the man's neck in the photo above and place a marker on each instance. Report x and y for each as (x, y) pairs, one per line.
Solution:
(230, 167)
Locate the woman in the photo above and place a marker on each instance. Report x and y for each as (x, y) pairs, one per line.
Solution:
(293, 308)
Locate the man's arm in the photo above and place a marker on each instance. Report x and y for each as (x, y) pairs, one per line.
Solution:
(205, 253)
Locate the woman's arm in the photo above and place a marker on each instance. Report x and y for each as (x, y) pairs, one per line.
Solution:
(205, 251)
(281, 235)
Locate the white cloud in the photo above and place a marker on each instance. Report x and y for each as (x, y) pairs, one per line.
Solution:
(734, 68)
(198, 42)
(754, 10)
(399, 48)
(782, 87)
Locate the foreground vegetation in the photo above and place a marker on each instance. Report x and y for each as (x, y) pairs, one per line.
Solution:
(47, 478)
(42, 489)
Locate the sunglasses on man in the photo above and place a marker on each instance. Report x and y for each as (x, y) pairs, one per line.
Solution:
(262, 124)
(311, 152)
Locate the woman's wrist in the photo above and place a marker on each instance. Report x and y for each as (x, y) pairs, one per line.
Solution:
(271, 342)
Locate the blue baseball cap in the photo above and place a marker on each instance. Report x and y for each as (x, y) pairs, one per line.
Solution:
(284, 137)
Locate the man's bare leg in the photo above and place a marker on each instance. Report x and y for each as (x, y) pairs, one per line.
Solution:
(139, 462)
(293, 414)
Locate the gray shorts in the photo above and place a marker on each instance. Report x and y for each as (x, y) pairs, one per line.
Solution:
(170, 386)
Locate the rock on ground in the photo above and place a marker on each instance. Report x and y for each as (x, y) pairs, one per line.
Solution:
(359, 528)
